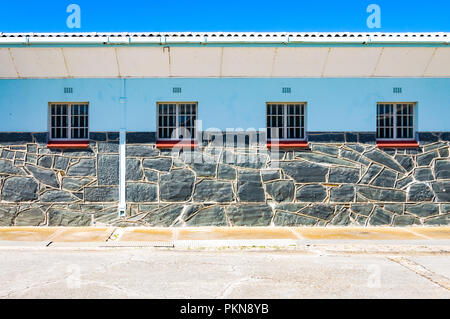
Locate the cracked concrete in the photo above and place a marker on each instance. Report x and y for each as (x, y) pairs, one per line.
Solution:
(316, 271)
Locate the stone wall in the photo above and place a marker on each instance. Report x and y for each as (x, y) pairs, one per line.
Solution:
(343, 179)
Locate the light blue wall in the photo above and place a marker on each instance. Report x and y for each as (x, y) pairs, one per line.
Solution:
(332, 104)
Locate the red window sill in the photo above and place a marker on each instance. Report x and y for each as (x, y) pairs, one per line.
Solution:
(177, 143)
(68, 144)
(288, 144)
(398, 144)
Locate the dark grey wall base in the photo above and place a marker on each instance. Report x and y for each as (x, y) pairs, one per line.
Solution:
(343, 179)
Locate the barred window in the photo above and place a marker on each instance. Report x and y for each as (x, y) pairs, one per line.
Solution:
(286, 121)
(176, 120)
(69, 121)
(395, 121)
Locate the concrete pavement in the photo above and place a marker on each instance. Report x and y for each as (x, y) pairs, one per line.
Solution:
(225, 262)
(251, 273)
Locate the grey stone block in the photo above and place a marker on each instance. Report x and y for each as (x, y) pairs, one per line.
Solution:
(380, 217)
(211, 216)
(442, 169)
(162, 164)
(442, 220)
(405, 161)
(371, 172)
(423, 209)
(151, 176)
(327, 149)
(383, 195)
(442, 191)
(61, 163)
(20, 189)
(134, 171)
(213, 191)
(204, 169)
(444, 152)
(311, 193)
(226, 172)
(362, 209)
(395, 208)
(163, 217)
(405, 220)
(101, 194)
(304, 172)
(325, 137)
(108, 147)
(7, 216)
(8, 168)
(75, 183)
(57, 196)
(423, 174)
(249, 215)
(141, 151)
(344, 193)
(385, 179)
(15, 138)
(289, 207)
(68, 218)
(343, 175)
(401, 183)
(45, 161)
(322, 211)
(85, 167)
(281, 191)
(342, 218)
(31, 217)
(425, 159)
(288, 219)
(97, 136)
(108, 169)
(140, 137)
(419, 192)
(256, 161)
(141, 192)
(324, 159)
(249, 186)
(176, 186)
(45, 176)
(384, 159)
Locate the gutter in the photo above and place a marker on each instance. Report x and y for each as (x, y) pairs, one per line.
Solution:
(222, 38)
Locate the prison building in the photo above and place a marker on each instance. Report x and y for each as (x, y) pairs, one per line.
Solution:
(224, 129)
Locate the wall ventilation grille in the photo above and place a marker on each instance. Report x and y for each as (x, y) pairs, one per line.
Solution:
(68, 90)
(286, 90)
(176, 90)
(397, 90)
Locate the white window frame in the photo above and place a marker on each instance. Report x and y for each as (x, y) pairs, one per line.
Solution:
(285, 116)
(69, 119)
(394, 136)
(177, 112)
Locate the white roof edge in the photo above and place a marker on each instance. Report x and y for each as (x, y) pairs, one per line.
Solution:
(224, 37)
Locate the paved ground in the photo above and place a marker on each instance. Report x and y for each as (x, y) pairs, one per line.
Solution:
(224, 263)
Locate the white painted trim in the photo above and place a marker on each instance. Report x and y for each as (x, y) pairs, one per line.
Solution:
(224, 37)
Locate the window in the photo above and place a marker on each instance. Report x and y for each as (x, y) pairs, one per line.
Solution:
(286, 121)
(69, 121)
(176, 120)
(395, 121)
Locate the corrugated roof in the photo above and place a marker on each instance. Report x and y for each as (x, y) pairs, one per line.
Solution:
(222, 37)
